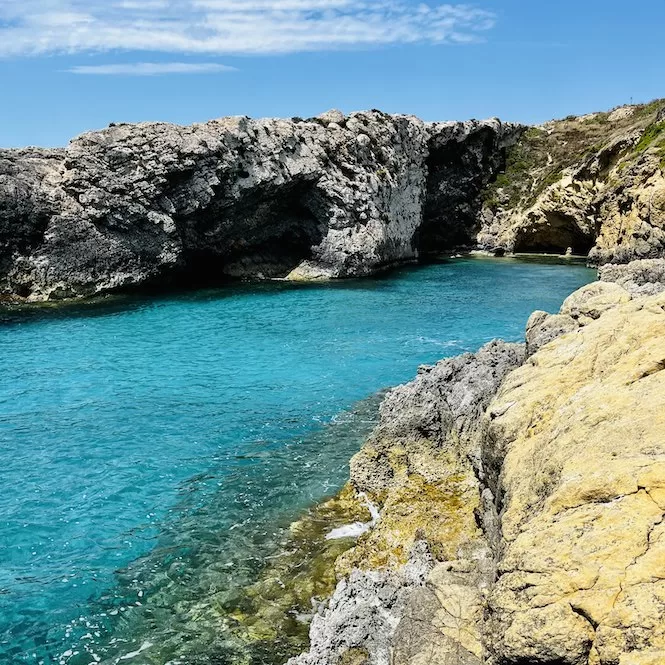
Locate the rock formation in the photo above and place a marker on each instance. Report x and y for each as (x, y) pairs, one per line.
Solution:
(593, 184)
(580, 430)
(152, 204)
(421, 573)
(522, 501)
(639, 278)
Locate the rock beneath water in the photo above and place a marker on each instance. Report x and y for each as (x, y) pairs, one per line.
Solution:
(154, 203)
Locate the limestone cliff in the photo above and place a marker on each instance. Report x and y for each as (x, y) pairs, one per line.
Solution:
(522, 501)
(593, 184)
(155, 204)
(333, 196)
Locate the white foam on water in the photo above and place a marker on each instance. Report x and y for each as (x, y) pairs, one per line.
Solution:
(356, 529)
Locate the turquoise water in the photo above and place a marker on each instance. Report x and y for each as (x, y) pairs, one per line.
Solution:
(153, 450)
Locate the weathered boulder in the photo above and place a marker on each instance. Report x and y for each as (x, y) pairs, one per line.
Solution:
(585, 305)
(358, 625)
(640, 278)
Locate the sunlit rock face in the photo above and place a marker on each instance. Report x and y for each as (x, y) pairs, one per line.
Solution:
(580, 427)
(333, 196)
(591, 185)
(522, 499)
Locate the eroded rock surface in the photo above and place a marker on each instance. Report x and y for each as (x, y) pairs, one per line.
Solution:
(424, 466)
(593, 185)
(640, 278)
(582, 425)
(532, 494)
(585, 305)
(154, 203)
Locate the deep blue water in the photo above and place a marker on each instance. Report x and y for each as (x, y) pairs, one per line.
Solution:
(156, 447)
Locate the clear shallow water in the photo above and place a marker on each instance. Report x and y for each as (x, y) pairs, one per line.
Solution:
(153, 450)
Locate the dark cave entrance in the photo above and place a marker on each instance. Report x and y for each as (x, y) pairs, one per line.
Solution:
(458, 172)
(264, 233)
(560, 233)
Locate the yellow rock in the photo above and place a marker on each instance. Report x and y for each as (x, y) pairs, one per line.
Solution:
(583, 425)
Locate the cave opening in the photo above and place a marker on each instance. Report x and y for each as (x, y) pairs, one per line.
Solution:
(458, 172)
(557, 235)
(263, 233)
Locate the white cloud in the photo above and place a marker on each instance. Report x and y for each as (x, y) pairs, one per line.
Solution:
(230, 27)
(152, 68)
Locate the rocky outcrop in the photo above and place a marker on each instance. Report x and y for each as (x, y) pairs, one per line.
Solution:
(582, 307)
(639, 278)
(154, 204)
(415, 584)
(593, 185)
(522, 502)
(580, 428)
(333, 196)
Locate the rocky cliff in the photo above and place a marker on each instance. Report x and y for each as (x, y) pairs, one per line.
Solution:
(134, 206)
(153, 204)
(522, 499)
(593, 184)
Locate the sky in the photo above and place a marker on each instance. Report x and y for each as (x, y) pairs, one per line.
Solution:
(68, 66)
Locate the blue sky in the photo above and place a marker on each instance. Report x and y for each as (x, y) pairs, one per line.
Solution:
(67, 66)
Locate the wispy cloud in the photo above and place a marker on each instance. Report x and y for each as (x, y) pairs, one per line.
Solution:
(152, 68)
(230, 27)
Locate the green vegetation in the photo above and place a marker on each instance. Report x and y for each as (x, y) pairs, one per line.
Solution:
(653, 133)
(644, 110)
(661, 154)
(543, 155)
(598, 118)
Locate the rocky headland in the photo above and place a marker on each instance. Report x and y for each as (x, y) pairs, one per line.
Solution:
(594, 184)
(160, 205)
(520, 490)
(522, 499)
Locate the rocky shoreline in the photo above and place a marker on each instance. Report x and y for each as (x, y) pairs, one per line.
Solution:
(522, 499)
(134, 207)
(521, 489)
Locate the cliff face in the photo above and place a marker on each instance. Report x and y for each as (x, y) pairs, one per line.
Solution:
(522, 501)
(333, 196)
(594, 184)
